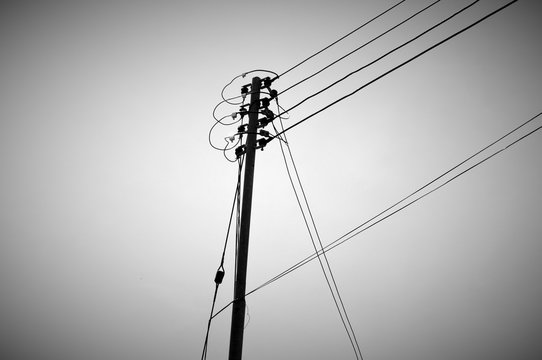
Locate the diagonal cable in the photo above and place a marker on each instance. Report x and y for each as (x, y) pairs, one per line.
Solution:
(333, 289)
(367, 224)
(360, 47)
(220, 271)
(340, 39)
(375, 61)
(336, 242)
(397, 67)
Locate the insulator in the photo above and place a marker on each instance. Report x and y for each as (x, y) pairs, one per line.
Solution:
(262, 143)
(242, 112)
(265, 102)
(264, 122)
(267, 82)
(242, 128)
(240, 151)
(269, 114)
(273, 94)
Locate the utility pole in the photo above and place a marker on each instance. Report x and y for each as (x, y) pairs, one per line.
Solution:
(239, 304)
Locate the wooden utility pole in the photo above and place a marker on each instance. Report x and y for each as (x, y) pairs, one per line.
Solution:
(239, 304)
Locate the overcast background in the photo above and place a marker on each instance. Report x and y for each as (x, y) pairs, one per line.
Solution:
(114, 207)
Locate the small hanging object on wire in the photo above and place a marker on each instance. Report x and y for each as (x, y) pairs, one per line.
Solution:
(219, 275)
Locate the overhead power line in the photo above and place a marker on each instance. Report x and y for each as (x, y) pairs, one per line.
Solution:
(381, 57)
(368, 224)
(330, 279)
(340, 39)
(220, 271)
(381, 216)
(360, 47)
(396, 67)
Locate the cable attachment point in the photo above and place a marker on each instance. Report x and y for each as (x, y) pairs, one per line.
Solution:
(268, 113)
(269, 116)
(242, 112)
(265, 102)
(244, 92)
(240, 151)
(219, 276)
(262, 142)
(242, 129)
(267, 82)
(264, 122)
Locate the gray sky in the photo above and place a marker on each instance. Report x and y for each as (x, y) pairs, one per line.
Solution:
(114, 207)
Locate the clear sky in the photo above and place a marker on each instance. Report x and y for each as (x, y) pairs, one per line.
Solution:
(114, 208)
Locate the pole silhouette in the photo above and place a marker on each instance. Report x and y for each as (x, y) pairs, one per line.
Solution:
(239, 304)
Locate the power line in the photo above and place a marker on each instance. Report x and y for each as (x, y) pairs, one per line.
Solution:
(352, 233)
(340, 39)
(336, 243)
(360, 47)
(398, 66)
(220, 271)
(332, 246)
(345, 319)
(440, 176)
(361, 228)
(373, 62)
(278, 135)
